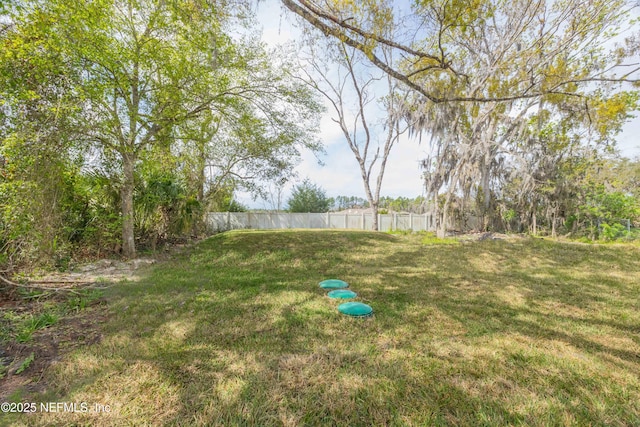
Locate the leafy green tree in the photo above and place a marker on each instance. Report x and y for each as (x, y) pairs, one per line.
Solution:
(150, 76)
(604, 211)
(139, 68)
(308, 197)
(40, 154)
(224, 201)
(150, 70)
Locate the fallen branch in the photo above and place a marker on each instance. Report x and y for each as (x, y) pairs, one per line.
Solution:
(9, 282)
(62, 282)
(45, 285)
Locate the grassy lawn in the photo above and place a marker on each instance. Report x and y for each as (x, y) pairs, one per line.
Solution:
(236, 331)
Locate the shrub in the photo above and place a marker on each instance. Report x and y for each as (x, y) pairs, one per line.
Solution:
(612, 231)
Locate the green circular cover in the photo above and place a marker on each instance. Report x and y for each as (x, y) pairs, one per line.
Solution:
(342, 294)
(333, 284)
(355, 309)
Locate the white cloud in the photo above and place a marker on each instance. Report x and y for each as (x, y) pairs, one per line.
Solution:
(276, 28)
(330, 131)
(341, 173)
(629, 139)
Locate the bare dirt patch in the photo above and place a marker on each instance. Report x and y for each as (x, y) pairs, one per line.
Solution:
(481, 236)
(47, 347)
(23, 365)
(105, 270)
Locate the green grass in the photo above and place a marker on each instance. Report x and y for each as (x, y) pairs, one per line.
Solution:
(20, 327)
(237, 332)
(33, 323)
(25, 363)
(432, 239)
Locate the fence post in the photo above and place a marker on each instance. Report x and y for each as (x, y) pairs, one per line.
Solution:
(346, 221)
(248, 219)
(228, 221)
(328, 219)
(395, 221)
(411, 221)
(363, 220)
(308, 219)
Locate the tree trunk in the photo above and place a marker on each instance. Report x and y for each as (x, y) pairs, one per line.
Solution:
(374, 201)
(374, 210)
(486, 193)
(126, 194)
(201, 165)
(534, 218)
(441, 230)
(201, 181)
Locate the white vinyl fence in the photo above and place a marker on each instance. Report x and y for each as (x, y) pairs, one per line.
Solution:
(222, 221)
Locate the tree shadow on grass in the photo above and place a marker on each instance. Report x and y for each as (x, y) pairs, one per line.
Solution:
(237, 332)
(479, 307)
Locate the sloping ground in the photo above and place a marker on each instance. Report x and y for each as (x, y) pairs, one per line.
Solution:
(237, 332)
(72, 305)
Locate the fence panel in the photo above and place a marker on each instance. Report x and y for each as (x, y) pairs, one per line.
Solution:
(222, 221)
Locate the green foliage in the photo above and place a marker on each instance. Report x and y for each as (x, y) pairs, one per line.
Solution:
(432, 239)
(25, 364)
(608, 206)
(147, 100)
(308, 197)
(39, 210)
(603, 212)
(223, 201)
(82, 300)
(613, 231)
(349, 202)
(403, 204)
(386, 204)
(163, 207)
(100, 224)
(508, 215)
(33, 323)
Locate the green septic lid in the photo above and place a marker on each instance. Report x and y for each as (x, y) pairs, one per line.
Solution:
(355, 309)
(342, 294)
(333, 284)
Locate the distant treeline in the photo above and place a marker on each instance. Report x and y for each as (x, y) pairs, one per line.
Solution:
(387, 204)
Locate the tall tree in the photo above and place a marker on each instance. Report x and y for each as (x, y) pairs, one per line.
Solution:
(480, 72)
(435, 38)
(474, 140)
(367, 108)
(146, 67)
(152, 73)
(39, 151)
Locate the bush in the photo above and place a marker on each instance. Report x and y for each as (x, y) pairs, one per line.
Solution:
(308, 197)
(613, 231)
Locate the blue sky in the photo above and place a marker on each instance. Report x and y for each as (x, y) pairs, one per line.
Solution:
(340, 174)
